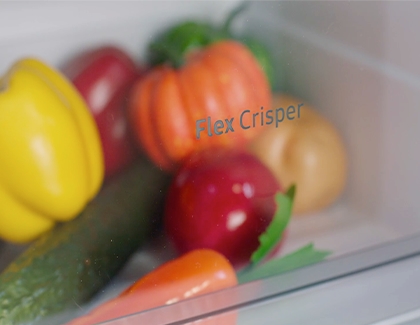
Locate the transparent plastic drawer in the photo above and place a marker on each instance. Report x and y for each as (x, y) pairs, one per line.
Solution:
(290, 131)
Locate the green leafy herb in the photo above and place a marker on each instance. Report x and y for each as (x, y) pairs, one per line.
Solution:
(304, 256)
(271, 237)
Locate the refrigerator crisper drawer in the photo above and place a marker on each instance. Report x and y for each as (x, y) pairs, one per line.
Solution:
(355, 64)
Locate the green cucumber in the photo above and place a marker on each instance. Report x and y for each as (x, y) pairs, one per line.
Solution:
(71, 263)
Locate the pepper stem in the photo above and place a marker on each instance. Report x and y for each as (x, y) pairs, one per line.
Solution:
(175, 58)
(234, 13)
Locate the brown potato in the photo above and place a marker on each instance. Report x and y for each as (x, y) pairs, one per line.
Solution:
(307, 151)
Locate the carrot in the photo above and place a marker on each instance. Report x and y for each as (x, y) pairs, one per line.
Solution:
(195, 273)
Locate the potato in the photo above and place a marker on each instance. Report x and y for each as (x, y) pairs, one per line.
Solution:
(307, 151)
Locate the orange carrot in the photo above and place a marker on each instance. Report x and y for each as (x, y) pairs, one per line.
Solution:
(196, 273)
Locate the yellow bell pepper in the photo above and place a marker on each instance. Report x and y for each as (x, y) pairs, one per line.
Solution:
(51, 161)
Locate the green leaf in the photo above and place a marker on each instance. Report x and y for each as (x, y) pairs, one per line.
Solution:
(274, 232)
(304, 256)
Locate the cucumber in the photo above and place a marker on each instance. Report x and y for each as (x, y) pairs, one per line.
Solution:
(71, 263)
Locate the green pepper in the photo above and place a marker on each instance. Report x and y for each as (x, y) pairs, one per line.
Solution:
(176, 41)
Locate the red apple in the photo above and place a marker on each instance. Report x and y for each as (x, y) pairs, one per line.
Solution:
(221, 199)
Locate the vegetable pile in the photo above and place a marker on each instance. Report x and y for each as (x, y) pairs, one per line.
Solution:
(117, 151)
(202, 271)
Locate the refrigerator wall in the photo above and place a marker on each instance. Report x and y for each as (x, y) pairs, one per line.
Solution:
(357, 63)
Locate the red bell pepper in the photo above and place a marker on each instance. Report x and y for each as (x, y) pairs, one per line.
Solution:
(104, 77)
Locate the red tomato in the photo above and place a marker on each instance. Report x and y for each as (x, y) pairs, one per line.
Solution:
(210, 100)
